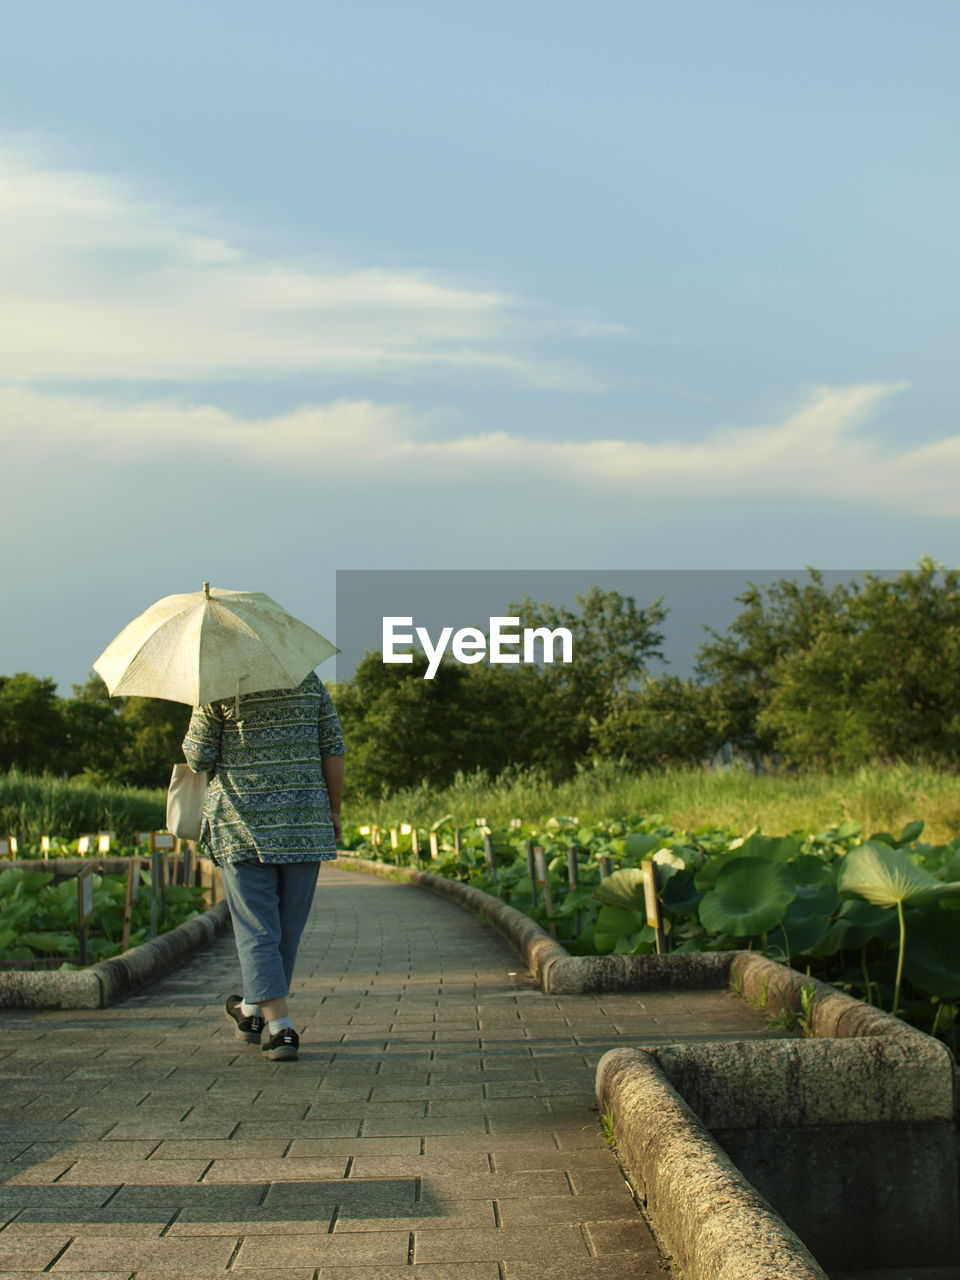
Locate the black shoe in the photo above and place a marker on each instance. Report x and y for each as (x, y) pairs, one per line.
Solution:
(282, 1046)
(247, 1029)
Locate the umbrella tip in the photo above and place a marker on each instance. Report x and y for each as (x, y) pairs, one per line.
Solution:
(206, 590)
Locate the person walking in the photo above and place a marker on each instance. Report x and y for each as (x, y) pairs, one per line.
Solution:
(271, 816)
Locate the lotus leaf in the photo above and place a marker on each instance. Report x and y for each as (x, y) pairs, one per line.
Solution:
(680, 894)
(887, 877)
(64, 944)
(750, 897)
(640, 845)
(614, 923)
(800, 930)
(669, 861)
(933, 954)
(857, 923)
(623, 889)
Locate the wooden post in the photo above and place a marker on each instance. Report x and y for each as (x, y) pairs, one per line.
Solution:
(490, 856)
(434, 845)
(544, 882)
(209, 881)
(648, 870)
(161, 842)
(458, 850)
(84, 908)
(188, 862)
(573, 875)
(133, 888)
(155, 857)
(606, 866)
(532, 872)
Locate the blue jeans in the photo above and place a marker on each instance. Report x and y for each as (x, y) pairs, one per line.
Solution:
(269, 904)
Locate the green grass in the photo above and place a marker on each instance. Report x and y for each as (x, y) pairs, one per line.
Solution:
(881, 797)
(34, 806)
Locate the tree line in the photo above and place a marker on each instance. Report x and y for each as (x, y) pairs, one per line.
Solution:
(805, 676)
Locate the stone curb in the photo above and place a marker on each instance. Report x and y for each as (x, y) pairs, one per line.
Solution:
(709, 1219)
(101, 984)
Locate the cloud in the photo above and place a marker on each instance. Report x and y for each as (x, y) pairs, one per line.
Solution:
(814, 451)
(101, 283)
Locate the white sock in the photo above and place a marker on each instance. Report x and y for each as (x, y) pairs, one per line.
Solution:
(279, 1024)
(249, 1010)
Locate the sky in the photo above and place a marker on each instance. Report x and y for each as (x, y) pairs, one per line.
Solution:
(596, 286)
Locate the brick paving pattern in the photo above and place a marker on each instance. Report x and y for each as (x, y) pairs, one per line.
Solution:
(439, 1123)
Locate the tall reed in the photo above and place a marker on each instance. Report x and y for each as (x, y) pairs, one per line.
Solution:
(32, 806)
(880, 797)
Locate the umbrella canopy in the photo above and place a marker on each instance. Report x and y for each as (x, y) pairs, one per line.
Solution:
(210, 645)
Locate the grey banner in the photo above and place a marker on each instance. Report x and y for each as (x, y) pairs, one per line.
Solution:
(696, 599)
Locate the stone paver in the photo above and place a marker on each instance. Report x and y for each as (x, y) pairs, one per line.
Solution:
(440, 1122)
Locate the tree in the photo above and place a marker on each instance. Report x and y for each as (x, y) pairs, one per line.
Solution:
(613, 642)
(95, 732)
(668, 721)
(880, 680)
(780, 619)
(155, 730)
(31, 724)
(403, 730)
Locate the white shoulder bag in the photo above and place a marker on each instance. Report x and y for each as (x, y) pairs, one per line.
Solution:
(185, 801)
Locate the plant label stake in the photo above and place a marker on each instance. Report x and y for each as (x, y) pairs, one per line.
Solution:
(415, 845)
(45, 847)
(651, 902)
(490, 856)
(434, 845)
(544, 881)
(573, 875)
(8, 847)
(83, 845)
(532, 872)
(84, 908)
(133, 888)
(395, 844)
(103, 842)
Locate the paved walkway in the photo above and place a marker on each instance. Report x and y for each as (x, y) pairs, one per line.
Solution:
(440, 1121)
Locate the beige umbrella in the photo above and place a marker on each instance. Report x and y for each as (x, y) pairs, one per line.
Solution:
(210, 645)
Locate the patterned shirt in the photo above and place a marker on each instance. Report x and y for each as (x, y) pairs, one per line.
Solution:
(267, 801)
